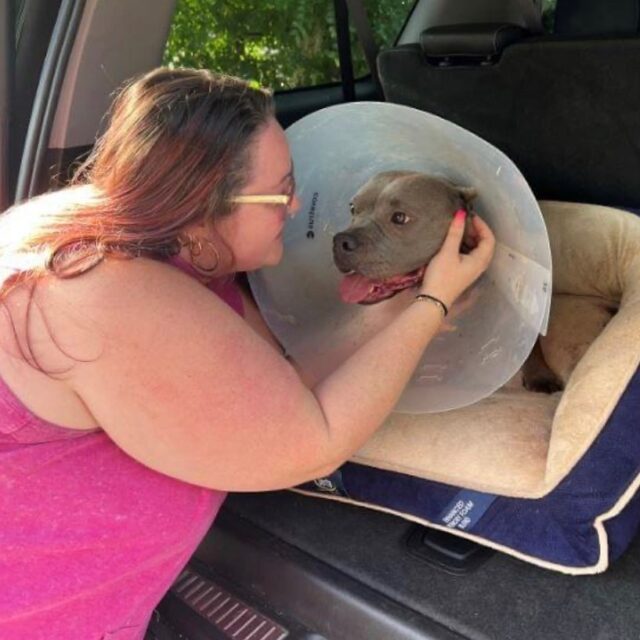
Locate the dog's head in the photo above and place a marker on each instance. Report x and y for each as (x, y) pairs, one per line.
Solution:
(399, 222)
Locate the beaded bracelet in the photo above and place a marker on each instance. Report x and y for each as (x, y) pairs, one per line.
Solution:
(427, 298)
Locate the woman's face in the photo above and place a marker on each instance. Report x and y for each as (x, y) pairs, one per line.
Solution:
(253, 232)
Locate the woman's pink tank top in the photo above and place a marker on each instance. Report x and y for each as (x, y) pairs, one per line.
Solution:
(90, 539)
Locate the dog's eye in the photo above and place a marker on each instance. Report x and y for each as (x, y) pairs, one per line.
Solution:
(352, 209)
(399, 217)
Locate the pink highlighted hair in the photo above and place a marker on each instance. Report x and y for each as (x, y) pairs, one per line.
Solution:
(174, 151)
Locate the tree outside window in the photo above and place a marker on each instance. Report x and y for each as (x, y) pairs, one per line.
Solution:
(282, 44)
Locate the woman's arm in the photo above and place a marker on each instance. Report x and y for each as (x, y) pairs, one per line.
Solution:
(184, 386)
(254, 319)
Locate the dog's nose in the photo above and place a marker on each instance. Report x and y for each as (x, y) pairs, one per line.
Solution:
(345, 242)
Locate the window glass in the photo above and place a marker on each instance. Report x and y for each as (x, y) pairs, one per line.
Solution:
(548, 14)
(282, 44)
(19, 20)
(387, 17)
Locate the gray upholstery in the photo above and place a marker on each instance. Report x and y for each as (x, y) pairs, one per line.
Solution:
(526, 14)
(596, 17)
(564, 108)
(474, 40)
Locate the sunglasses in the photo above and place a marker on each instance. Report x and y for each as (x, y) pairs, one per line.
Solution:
(281, 198)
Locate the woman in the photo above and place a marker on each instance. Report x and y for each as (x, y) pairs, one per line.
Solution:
(139, 382)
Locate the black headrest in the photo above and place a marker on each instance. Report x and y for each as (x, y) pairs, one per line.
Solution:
(597, 17)
(484, 41)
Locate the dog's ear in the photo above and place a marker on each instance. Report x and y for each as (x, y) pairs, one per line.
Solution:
(468, 194)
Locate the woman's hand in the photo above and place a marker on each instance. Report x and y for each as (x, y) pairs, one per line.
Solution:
(450, 272)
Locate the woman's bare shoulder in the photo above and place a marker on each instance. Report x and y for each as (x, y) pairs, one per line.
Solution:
(118, 287)
(119, 278)
(118, 300)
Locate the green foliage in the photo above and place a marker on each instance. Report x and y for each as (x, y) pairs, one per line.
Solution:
(281, 44)
(548, 14)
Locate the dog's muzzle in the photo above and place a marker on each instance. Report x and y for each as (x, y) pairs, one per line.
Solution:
(345, 245)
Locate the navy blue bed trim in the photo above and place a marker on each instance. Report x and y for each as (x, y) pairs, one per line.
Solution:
(557, 528)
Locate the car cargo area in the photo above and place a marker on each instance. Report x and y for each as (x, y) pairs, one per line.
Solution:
(347, 573)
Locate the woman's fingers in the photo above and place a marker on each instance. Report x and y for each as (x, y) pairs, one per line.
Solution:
(453, 240)
(485, 237)
(449, 273)
(482, 228)
(486, 240)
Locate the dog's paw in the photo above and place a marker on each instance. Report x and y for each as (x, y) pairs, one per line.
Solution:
(546, 382)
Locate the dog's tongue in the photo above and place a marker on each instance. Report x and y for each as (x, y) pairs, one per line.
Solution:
(358, 289)
(354, 288)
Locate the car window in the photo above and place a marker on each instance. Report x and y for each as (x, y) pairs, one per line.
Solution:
(18, 20)
(548, 14)
(283, 44)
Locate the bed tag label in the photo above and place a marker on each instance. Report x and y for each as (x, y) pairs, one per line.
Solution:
(466, 508)
(331, 484)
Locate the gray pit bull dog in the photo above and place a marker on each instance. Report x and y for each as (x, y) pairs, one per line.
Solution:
(400, 220)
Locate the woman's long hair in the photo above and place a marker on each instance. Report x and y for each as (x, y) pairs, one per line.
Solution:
(175, 149)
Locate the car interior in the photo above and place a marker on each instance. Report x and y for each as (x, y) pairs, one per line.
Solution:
(563, 104)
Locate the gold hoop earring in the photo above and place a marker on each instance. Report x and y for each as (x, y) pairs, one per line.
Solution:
(195, 247)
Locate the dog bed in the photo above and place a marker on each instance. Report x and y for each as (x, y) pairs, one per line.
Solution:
(550, 479)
